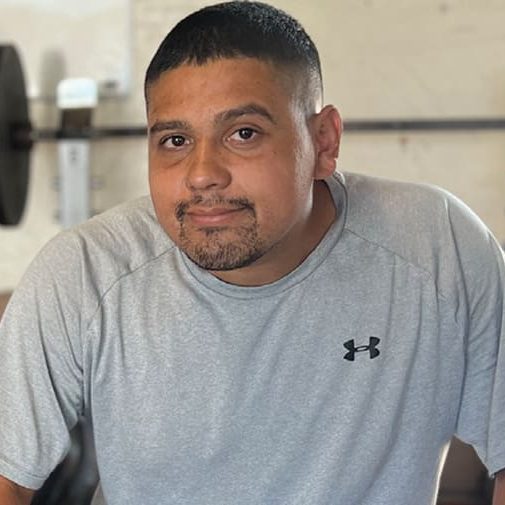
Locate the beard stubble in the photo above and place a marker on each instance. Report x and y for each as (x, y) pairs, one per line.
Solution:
(220, 248)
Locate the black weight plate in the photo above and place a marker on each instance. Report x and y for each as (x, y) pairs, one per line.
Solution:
(14, 161)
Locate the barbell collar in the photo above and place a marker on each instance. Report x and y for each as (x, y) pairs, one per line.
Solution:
(21, 137)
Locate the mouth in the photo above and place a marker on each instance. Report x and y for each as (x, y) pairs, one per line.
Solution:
(214, 216)
(213, 212)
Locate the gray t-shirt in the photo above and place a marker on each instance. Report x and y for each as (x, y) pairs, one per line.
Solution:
(341, 383)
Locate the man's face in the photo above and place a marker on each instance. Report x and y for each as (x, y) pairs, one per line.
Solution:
(231, 162)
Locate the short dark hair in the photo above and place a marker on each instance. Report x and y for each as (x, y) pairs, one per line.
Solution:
(237, 29)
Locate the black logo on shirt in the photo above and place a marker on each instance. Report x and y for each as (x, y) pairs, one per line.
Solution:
(371, 348)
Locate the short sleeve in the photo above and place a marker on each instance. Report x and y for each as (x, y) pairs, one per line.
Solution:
(41, 365)
(481, 420)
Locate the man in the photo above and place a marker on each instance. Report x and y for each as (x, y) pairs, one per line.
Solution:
(266, 331)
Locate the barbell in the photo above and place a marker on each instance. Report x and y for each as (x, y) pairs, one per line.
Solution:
(17, 135)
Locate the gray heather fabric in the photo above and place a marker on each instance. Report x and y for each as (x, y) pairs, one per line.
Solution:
(342, 383)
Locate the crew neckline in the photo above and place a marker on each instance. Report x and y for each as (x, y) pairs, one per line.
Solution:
(336, 185)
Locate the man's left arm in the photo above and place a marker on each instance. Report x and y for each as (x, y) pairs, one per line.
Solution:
(499, 489)
(479, 285)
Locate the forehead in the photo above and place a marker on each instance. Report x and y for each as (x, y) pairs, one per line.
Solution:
(217, 84)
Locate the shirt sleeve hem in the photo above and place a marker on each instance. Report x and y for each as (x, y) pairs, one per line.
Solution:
(496, 463)
(20, 476)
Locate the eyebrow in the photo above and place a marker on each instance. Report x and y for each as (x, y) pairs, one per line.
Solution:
(176, 124)
(221, 117)
(243, 110)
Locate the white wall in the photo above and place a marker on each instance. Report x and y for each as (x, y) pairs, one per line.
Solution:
(421, 58)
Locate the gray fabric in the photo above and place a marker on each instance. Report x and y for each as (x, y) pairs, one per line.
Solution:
(342, 383)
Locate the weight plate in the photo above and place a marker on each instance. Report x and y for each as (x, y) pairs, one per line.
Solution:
(14, 159)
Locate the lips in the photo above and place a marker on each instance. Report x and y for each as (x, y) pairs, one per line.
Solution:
(214, 216)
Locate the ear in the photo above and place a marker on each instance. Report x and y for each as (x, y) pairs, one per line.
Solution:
(326, 132)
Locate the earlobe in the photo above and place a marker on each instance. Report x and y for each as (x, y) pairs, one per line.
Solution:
(327, 130)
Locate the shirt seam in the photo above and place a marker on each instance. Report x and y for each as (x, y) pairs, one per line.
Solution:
(116, 280)
(402, 258)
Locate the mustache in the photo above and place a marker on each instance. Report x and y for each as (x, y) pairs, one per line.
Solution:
(181, 207)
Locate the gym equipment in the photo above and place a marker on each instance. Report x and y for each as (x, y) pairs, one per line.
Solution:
(17, 135)
(76, 98)
(14, 158)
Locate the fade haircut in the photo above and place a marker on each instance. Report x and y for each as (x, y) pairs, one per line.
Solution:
(241, 29)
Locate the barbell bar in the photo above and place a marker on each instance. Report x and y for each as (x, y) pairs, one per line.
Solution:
(17, 135)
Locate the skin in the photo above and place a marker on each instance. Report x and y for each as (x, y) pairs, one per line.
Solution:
(499, 489)
(12, 494)
(237, 159)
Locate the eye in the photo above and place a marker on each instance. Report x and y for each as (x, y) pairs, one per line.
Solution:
(244, 134)
(174, 141)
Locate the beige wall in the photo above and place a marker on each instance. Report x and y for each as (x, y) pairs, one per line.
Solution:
(422, 58)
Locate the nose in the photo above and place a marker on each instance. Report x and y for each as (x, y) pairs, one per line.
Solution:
(207, 169)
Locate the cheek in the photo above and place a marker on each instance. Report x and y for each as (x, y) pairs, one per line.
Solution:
(284, 193)
(288, 176)
(164, 197)
(166, 183)
(280, 201)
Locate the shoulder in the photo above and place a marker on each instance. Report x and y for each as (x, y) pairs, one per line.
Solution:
(396, 202)
(94, 255)
(129, 233)
(423, 224)
(397, 214)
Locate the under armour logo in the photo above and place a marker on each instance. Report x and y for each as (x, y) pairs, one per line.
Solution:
(371, 348)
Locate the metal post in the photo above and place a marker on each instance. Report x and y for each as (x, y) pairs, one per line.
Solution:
(76, 98)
